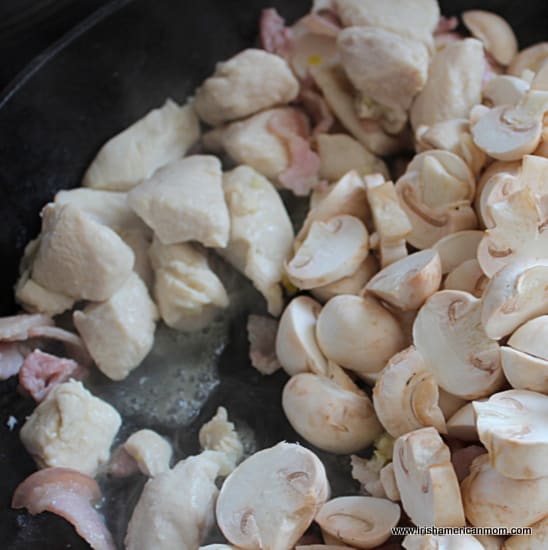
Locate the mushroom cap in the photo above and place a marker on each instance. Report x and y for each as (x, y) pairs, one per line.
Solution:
(514, 295)
(332, 418)
(530, 58)
(532, 337)
(407, 283)
(505, 89)
(405, 396)
(441, 542)
(333, 249)
(537, 540)
(272, 497)
(426, 479)
(360, 522)
(496, 34)
(349, 328)
(296, 346)
(524, 371)
(456, 248)
(493, 500)
(512, 426)
(467, 277)
(388, 482)
(462, 424)
(449, 335)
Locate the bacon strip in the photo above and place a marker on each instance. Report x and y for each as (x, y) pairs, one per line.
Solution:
(17, 327)
(261, 333)
(275, 36)
(69, 494)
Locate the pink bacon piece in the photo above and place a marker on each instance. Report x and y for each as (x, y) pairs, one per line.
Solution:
(261, 333)
(275, 36)
(69, 494)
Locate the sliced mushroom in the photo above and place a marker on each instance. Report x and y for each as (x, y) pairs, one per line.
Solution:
(388, 482)
(534, 173)
(524, 371)
(529, 59)
(441, 542)
(496, 34)
(468, 277)
(328, 416)
(296, 345)
(462, 425)
(359, 522)
(350, 327)
(511, 425)
(448, 333)
(493, 500)
(283, 485)
(537, 540)
(407, 283)
(505, 89)
(449, 403)
(456, 248)
(405, 396)
(332, 249)
(493, 542)
(515, 294)
(426, 480)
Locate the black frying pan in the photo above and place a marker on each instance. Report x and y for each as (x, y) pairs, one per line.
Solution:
(108, 72)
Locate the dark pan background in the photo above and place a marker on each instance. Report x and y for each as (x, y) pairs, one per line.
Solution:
(118, 64)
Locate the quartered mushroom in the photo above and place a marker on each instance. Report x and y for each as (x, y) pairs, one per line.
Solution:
(350, 327)
(505, 89)
(405, 395)
(456, 248)
(332, 249)
(511, 425)
(449, 335)
(388, 482)
(407, 283)
(529, 59)
(462, 424)
(514, 295)
(359, 522)
(272, 497)
(296, 345)
(467, 277)
(496, 34)
(537, 540)
(493, 500)
(329, 416)
(426, 480)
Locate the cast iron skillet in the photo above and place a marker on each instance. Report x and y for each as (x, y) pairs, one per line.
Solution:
(108, 72)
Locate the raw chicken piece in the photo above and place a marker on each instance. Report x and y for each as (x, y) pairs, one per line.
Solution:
(184, 201)
(119, 332)
(151, 452)
(261, 333)
(69, 494)
(71, 429)
(249, 82)
(162, 136)
(187, 291)
(79, 256)
(16, 328)
(261, 235)
(139, 241)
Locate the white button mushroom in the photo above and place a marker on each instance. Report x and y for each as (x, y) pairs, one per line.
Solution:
(467, 277)
(188, 293)
(71, 429)
(151, 452)
(359, 522)
(161, 137)
(456, 248)
(119, 332)
(529, 59)
(537, 540)
(329, 416)
(272, 497)
(388, 482)
(441, 542)
(462, 424)
(332, 249)
(511, 425)
(358, 333)
(184, 201)
(261, 234)
(247, 83)
(448, 333)
(505, 90)
(426, 480)
(405, 396)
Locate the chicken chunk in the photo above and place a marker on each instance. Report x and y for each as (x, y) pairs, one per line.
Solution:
(119, 332)
(184, 201)
(162, 136)
(187, 291)
(261, 234)
(151, 452)
(247, 83)
(71, 429)
(79, 256)
(37, 299)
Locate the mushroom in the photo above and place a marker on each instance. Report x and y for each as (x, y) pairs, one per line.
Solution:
(272, 497)
(493, 542)
(449, 403)
(349, 328)
(261, 233)
(441, 542)
(426, 480)
(448, 333)
(537, 540)
(247, 83)
(511, 425)
(296, 345)
(407, 283)
(359, 522)
(388, 482)
(162, 136)
(454, 84)
(328, 416)
(493, 500)
(435, 192)
(462, 424)
(529, 59)
(496, 34)
(405, 395)
(332, 249)
(505, 89)
(515, 294)
(467, 277)
(456, 248)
